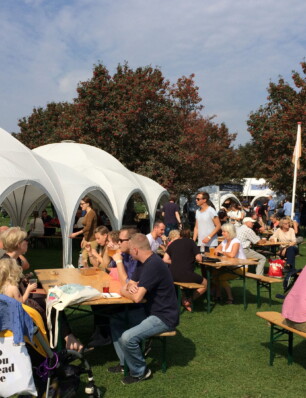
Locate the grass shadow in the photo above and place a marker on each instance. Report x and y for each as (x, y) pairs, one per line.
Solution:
(281, 351)
(175, 357)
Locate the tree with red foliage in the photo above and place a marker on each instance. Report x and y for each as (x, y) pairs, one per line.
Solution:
(274, 128)
(153, 128)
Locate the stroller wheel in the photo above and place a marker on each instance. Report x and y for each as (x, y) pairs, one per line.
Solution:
(95, 394)
(92, 390)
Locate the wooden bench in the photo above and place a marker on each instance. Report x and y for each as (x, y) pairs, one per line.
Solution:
(147, 344)
(263, 282)
(163, 338)
(188, 286)
(278, 330)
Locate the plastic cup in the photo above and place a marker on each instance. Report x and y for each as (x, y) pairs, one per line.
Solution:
(105, 286)
(111, 252)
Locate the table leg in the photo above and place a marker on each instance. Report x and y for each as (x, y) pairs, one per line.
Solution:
(244, 289)
(208, 289)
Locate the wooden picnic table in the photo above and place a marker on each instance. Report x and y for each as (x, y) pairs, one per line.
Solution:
(227, 263)
(272, 244)
(268, 232)
(61, 276)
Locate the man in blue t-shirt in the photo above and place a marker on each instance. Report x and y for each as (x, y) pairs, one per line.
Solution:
(287, 207)
(271, 206)
(153, 282)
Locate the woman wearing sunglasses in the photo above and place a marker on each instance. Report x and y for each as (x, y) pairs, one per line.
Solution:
(286, 235)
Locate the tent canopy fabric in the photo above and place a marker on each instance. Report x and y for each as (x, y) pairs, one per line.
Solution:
(64, 173)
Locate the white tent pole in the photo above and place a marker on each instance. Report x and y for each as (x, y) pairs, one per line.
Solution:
(296, 156)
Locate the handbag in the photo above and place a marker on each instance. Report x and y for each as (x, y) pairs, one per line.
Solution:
(16, 375)
(276, 268)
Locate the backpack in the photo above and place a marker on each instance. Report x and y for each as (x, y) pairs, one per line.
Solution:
(290, 279)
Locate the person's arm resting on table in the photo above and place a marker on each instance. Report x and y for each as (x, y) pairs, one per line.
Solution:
(133, 292)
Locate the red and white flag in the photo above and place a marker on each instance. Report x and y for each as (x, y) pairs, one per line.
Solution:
(298, 147)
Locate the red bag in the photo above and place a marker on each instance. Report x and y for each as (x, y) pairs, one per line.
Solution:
(276, 268)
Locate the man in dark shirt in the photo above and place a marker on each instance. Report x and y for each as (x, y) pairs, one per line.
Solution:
(153, 282)
(171, 215)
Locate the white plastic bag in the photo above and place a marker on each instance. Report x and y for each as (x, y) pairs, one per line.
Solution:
(59, 297)
(15, 369)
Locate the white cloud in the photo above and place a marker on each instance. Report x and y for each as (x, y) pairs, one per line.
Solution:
(233, 47)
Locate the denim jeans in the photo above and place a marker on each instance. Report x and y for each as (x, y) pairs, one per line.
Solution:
(170, 227)
(291, 252)
(121, 322)
(130, 343)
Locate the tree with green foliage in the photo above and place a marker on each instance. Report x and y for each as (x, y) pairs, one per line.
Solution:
(274, 128)
(40, 127)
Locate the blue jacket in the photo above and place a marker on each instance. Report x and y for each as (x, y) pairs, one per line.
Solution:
(13, 317)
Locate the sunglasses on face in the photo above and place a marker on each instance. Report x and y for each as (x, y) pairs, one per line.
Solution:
(199, 198)
(123, 240)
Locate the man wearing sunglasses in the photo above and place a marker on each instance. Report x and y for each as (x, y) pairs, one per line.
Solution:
(126, 265)
(207, 223)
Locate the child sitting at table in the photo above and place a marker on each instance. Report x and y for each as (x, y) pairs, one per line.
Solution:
(10, 276)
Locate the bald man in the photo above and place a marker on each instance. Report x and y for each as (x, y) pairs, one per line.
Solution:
(153, 282)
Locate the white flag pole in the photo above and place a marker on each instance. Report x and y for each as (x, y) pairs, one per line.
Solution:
(296, 158)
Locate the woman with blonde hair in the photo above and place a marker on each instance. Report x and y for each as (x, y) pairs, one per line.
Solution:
(15, 243)
(173, 235)
(230, 247)
(285, 233)
(10, 276)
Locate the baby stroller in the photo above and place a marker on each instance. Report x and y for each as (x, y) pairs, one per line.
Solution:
(54, 375)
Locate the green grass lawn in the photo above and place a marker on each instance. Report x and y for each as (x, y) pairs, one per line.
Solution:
(223, 354)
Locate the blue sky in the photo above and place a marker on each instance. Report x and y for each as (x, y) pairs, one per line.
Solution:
(234, 48)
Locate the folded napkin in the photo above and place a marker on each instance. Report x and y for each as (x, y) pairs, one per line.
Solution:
(110, 295)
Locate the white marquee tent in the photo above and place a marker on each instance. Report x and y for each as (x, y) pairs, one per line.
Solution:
(255, 189)
(63, 173)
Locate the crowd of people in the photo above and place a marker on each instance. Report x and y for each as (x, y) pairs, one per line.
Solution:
(147, 265)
